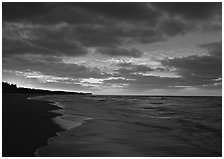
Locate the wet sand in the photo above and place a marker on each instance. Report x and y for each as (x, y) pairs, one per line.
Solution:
(26, 125)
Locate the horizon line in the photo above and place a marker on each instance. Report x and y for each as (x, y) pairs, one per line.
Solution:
(155, 95)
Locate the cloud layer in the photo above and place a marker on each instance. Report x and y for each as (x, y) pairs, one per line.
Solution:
(36, 37)
(71, 28)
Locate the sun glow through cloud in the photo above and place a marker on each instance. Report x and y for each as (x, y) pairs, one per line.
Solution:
(140, 49)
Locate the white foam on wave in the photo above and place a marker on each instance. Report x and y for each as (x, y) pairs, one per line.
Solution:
(161, 117)
(57, 104)
(68, 122)
(35, 98)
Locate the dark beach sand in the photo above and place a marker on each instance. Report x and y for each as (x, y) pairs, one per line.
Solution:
(26, 125)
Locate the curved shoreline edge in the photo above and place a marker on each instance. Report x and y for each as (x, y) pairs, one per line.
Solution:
(64, 121)
(25, 124)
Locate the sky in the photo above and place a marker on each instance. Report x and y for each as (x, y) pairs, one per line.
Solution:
(114, 48)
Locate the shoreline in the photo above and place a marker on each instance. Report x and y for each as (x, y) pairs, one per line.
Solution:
(26, 124)
(64, 121)
(110, 133)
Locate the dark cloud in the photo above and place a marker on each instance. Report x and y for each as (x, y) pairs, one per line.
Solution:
(139, 69)
(97, 11)
(11, 47)
(31, 39)
(99, 41)
(50, 65)
(46, 47)
(183, 17)
(45, 13)
(71, 28)
(36, 36)
(120, 52)
(113, 35)
(123, 11)
(191, 10)
(199, 70)
(125, 64)
(196, 67)
(203, 72)
(81, 12)
(215, 49)
(69, 40)
(173, 27)
(139, 77)
(62, 47)
(130, 68)
(21, 11)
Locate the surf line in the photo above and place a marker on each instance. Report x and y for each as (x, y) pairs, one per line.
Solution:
(65, 120)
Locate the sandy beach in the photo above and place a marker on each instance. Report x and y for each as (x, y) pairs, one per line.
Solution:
(26, 125)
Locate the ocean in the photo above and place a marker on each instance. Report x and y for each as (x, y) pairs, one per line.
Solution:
(135, 126)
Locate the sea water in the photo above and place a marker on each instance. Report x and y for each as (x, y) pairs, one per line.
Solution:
(135, 126)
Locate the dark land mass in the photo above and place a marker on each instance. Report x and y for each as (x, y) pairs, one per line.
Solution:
(26, 125)
(12, 88)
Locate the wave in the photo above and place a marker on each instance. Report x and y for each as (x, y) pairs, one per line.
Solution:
(57, 104)
(183, 123)
(67, 120)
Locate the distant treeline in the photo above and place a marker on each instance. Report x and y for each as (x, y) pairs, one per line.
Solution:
(12, 88)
